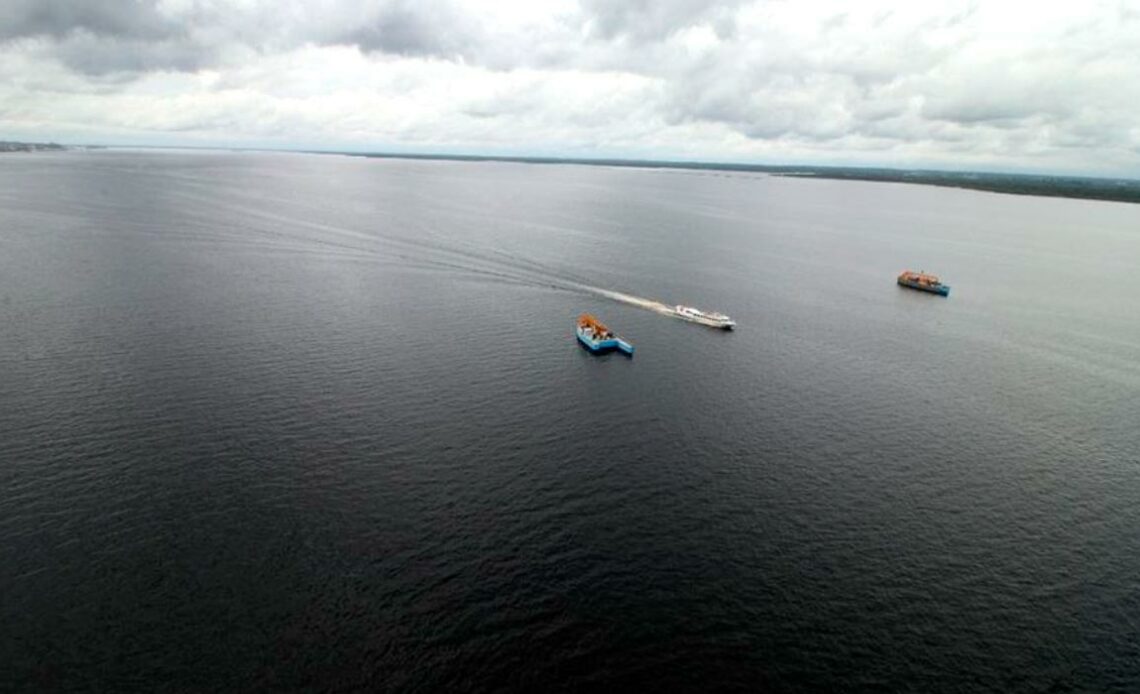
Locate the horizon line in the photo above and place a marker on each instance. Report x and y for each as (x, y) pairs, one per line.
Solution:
(690, 164)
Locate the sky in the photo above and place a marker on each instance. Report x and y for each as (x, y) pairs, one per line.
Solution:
(989, 85)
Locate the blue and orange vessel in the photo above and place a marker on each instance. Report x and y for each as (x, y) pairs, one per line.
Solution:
(597, 338)
(923, 282)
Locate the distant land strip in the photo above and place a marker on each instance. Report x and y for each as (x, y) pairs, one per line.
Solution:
(1082, 187)
(1111, 189)
(30, 147)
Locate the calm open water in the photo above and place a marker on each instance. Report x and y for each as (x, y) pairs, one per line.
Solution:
(299, 421)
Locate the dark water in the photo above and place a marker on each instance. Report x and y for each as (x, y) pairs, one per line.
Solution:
(310, 422)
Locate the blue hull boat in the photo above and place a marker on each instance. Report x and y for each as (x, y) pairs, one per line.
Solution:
(597, 338)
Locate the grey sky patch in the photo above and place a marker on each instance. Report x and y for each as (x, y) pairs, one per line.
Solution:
(98, 55)
(101, 37)
(137, 19)
(648, 20)
(436, 28)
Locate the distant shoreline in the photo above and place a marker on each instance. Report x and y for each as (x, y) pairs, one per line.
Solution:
(8, 146)
(1042, 185)
(1076, 187)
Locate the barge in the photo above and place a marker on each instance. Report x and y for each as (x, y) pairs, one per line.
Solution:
(923, 283)
(597, 338)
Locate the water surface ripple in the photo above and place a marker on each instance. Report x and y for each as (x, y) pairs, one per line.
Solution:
(319, 423)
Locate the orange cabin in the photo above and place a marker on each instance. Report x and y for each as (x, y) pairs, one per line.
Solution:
(588, 321)
(596, 326)
(919, 277)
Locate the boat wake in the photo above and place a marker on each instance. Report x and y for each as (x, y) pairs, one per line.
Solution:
(285, 225)
(685, 313)
(639, 302)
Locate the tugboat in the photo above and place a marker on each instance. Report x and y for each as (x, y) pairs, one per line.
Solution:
(712, 320)
(597, 338)
(924, 283)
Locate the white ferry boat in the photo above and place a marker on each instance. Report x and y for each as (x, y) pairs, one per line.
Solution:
(712, 319)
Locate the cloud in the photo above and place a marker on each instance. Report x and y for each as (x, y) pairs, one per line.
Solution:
(98, 37)
(60, 18)
(648, 20)
(410, 28)
(886, 82)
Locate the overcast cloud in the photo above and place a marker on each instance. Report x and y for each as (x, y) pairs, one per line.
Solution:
(998, 85)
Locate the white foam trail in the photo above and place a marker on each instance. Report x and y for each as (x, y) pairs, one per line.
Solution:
(647, 304)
